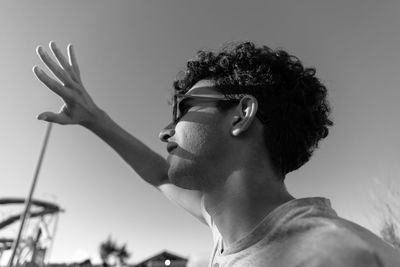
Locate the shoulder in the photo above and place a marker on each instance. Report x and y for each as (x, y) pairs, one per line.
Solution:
(340, 257)
(323, 241)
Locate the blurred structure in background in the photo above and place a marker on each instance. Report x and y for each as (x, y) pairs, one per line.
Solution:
(38, 235)
(386, 196)
(390, 229)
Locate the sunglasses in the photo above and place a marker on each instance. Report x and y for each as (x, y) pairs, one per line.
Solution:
(179, 108)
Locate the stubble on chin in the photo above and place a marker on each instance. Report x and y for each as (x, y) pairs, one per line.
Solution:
(183, 175)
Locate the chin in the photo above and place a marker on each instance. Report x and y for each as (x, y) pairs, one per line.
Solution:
(181, 178)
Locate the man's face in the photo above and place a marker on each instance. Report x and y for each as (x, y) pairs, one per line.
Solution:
(197, 143)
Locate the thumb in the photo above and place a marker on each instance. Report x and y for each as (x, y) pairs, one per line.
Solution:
(44, 116)
(59, 118)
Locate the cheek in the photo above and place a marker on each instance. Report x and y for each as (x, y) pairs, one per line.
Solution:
(203, 140)
(195, 139)
(202, 135)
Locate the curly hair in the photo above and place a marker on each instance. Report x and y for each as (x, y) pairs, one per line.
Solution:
(292, 100)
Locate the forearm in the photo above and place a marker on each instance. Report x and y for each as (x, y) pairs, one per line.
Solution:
(149, 165)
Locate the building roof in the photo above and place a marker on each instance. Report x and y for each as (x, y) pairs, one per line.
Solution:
(160, 257)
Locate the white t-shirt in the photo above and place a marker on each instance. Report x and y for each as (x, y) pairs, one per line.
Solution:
(304, 233)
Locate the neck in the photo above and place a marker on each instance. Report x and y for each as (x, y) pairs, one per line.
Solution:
(248, 195)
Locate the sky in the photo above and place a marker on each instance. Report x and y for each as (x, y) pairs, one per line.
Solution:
(129, 53)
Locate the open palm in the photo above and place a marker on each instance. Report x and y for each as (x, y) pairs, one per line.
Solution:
(78, 107)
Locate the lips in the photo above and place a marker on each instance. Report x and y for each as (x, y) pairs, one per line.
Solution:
(171, 146)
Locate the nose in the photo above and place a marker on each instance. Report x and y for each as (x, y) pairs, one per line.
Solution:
(167, 132)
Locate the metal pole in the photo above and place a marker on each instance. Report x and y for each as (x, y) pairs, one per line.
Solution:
(29, 199)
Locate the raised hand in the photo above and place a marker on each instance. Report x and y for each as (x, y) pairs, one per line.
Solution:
(78, 107)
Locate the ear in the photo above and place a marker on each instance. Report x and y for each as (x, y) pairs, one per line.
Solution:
(244, 115)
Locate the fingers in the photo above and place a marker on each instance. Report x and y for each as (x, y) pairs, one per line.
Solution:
(59, 72)
(73, 62)
(59, 56)
(65, 64)
(53, 85)
(68, 86)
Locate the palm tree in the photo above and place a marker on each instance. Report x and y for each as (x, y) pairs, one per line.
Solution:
(110, 250)
(107, 248)
(122, 255)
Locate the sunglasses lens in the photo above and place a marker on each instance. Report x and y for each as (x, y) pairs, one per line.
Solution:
(178, 98)
(175, 109)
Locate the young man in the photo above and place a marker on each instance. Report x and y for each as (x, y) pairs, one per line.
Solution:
(242, 119)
